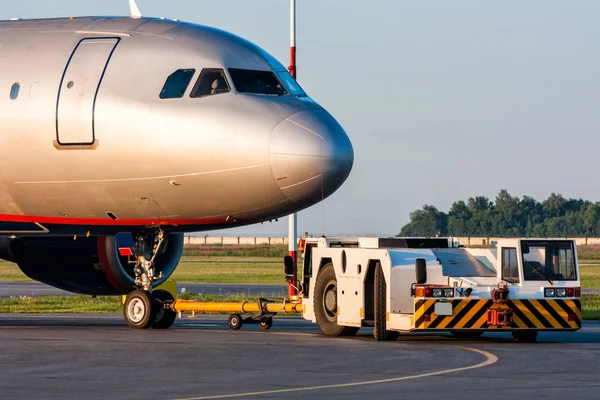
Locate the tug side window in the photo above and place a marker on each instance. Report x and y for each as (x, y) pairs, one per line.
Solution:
(510, 270)
(176, 84)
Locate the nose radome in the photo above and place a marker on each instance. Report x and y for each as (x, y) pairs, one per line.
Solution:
(311, 156)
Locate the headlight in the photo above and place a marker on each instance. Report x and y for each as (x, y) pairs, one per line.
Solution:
(549, 292)
(437, 292)
(562, 292)
(449, 292)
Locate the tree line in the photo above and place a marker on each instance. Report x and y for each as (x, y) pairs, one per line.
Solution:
(508, 216)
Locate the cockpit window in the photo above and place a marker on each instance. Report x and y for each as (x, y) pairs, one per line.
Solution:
(256, 82)
(211, 81)
(290, 83)
(176, 84)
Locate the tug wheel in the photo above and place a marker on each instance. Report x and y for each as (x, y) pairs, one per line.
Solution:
(526, 336)
(326, 304)
(265, 323)
(466, 335)
(235, 321)
(164, 317)
(139, 310)
(379, 330)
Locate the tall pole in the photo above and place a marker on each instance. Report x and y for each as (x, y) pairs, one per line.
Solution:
(293, 229)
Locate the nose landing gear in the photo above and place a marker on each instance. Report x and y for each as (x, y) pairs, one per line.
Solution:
(143, 307)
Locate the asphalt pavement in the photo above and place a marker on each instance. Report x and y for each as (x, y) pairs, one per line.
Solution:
(97, 357)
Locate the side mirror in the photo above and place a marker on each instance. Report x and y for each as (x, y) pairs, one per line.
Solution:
(421, 271)
(288, 263)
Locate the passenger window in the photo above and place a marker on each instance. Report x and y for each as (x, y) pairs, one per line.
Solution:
(14, 91)
(177, 83)
(510, 270)
(211, 81)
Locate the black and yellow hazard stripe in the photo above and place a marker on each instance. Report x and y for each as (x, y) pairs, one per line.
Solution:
(472, 314)
(466, 314)
(546, 314)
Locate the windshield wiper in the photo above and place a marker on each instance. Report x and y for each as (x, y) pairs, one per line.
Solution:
(538, 271)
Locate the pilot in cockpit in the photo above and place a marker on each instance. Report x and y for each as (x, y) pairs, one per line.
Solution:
(218, 86)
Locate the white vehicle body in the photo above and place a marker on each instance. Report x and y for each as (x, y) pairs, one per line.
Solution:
(528, 300)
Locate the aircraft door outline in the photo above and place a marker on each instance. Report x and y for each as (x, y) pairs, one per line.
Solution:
(78, 90)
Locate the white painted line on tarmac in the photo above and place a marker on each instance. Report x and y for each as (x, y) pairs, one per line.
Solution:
(490, 359)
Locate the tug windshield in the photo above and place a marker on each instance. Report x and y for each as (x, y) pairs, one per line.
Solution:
(548, 260)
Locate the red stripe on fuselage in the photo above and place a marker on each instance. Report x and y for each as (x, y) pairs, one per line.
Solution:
(110, 222)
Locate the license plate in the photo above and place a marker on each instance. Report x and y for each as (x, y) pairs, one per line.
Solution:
(443, 309)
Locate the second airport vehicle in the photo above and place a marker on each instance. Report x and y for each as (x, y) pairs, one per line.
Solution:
(118, 135)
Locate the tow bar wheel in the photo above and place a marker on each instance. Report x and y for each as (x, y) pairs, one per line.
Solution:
(138, 310)
(235, 321)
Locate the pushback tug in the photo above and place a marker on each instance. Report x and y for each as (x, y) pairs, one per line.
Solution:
(395, 285)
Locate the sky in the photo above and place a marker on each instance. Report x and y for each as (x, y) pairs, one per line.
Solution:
(442, 100)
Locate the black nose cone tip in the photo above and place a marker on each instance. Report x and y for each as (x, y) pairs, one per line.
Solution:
(311, 156)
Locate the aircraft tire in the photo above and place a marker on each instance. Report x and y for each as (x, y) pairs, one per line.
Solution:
(164, 318)
(139, 310)
(379, 327)
(326, 304)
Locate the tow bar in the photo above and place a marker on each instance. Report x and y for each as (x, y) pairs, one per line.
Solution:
(263, 310)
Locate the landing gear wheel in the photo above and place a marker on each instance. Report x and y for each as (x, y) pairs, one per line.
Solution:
(380, 293)
(326, 304)
(265, 323)
(164, 317)
(466, 335)
(526, 336)
(139, 310)
(235, 321)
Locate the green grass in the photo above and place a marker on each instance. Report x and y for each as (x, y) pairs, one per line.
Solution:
(588, 252)
(216, 250)
(590, 276)
(229, 271)
(194, 269)
(590, 307)
(52, 304)
(10, 272)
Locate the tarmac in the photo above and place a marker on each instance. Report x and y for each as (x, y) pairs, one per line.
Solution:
(45, 356)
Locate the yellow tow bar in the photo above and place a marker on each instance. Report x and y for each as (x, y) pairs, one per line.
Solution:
(243, 307)
(263, 310)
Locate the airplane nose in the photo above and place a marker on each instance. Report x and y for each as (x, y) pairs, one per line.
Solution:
(311, 156)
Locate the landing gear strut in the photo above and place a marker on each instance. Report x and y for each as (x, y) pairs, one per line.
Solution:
(143, 308)
(147, 246)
